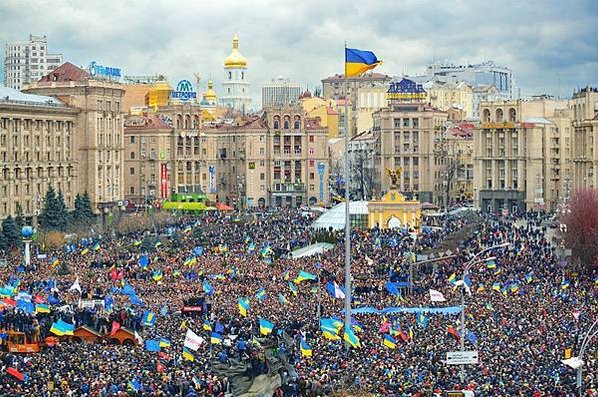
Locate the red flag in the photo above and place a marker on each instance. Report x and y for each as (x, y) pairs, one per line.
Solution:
(404, 336)
(113, 274)
(115, 327)
(163, 356)
(9, 301)
(453, 332)
(39, 299)
(14, 372)
(160, 367)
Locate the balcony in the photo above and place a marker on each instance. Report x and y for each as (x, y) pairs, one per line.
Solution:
(298, 187)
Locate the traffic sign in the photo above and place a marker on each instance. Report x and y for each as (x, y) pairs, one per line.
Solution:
(464, 357)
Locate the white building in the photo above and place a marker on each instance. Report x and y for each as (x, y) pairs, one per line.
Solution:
(235, 87)
(485, 73)
(280, 92)
(28, 61)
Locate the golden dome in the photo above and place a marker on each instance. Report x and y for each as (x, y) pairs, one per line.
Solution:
(210, 95)
(235, 59)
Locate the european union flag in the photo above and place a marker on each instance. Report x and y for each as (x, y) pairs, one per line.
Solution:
(152, 345)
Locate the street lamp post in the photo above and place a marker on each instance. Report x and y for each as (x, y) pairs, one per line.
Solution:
(584, 344)
(469, 263)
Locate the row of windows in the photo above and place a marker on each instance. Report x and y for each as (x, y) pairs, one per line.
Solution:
(499, 115)
(46, 125)
(39, 172)
(286, 122)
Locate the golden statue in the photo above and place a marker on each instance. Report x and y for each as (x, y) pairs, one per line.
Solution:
(395, 176)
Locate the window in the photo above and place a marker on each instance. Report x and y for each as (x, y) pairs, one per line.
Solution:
(312, 138)
(276, 122)
(230, 76)
(132, 190)
(132, 155)
(132, 139)
(132, 171)
(312, 175)
(312, 163)
(311, 151)
(262, 176)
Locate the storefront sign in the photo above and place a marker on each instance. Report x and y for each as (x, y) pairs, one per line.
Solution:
(184, 91)
(96, 70)
(164, 181)
(498, 125)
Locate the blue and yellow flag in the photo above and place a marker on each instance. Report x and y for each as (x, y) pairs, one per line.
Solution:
(305, 348)
(266, 327)
(42, 308)
(389, 341)
(351, 338)
(293, 289)
(216, 338)
(207, 326)
(187, 355)
(158, 275)
(303, 275)
(260, 294)
(358, 62)
(164, 342)
(243, 306)
(282, 299)
(149, 318)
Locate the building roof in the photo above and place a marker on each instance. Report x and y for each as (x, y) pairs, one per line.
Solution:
(66, 72)
(235, 59)
(147, 122)
(335, 217)
(365, 76)
(363, 136)
(10, 94)
(463, 130)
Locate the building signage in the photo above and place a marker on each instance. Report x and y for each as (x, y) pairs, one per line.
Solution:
(462, 357)
(96, 70)
(321, 168)
(212, 178)
(497, 126)
(528, 125)
(405, 90)
(184, 91)
(164, 180)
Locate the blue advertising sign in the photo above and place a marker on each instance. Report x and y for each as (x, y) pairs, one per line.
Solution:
(321, 168)
(96, 70)
(212, 177)
(405, 89)
(184, 91)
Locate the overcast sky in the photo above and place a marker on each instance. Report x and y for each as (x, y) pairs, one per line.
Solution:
(544, 42)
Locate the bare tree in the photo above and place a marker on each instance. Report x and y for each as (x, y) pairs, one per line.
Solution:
(361, 174)
(581, 231)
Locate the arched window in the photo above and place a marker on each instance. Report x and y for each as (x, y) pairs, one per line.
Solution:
(276, 122)
(499, 115)
(179, 121)
(287, 122)
(195, 122)
(486, 116)
(132, 155)
(242, 75)
(230, 75)
(512, 115)
(187, 121)
(297, 123)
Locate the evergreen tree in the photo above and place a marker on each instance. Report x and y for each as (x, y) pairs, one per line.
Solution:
(3, 242)
(19, 216)
(53, 215)
(11, 232)
(83, 213)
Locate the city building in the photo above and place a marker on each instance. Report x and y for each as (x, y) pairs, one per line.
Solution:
(98, 144)
(485, 73)
(278, 159)
(482, 93)
(522, 155)
(406, 137)
(37, 150)
(333, 87)
(585, 138)
(28, 61)
(458, 170)
(164, 153)
(323, 110)
(450, 96)
(279, 92)
(235, 87)
(361, 166)
(370, 98)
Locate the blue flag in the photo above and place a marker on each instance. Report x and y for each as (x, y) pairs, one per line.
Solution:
(472, 338)
(152, 345)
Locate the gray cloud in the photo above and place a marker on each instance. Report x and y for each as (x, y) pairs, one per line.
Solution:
(543, 41)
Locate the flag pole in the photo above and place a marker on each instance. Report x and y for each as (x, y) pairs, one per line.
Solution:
(347, 214)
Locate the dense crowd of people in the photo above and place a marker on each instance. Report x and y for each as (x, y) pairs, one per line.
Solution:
(526, 310)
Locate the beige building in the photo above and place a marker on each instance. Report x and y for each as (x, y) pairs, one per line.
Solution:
(322, 109)
(99, 141)
(370, 98)
(522, 155)
(333, 87)
(406, 137)
(458, 168)
(585, 138)
(37, 142)
(449, 95)
(278, 159)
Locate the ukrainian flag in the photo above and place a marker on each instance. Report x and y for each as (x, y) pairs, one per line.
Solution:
(481, 288)
(55, 262)
(496, 287)
(243, 306)
(266, 327)
(96, 247)
(164, 342)
(389, 341)
(305, 348)
(565, 284)
(187, 355)
(85, 251)
(282, 299)
(216, 338)
(293, 289)
(491, 264)
(188, 229)
(42, 308)
(452, 278)
(529, 278)
(358, 62)
(351, 338)
(61, 328)
(329, 334)
(207, 326)
(260, 294)
(304, 276)
(158, 275)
